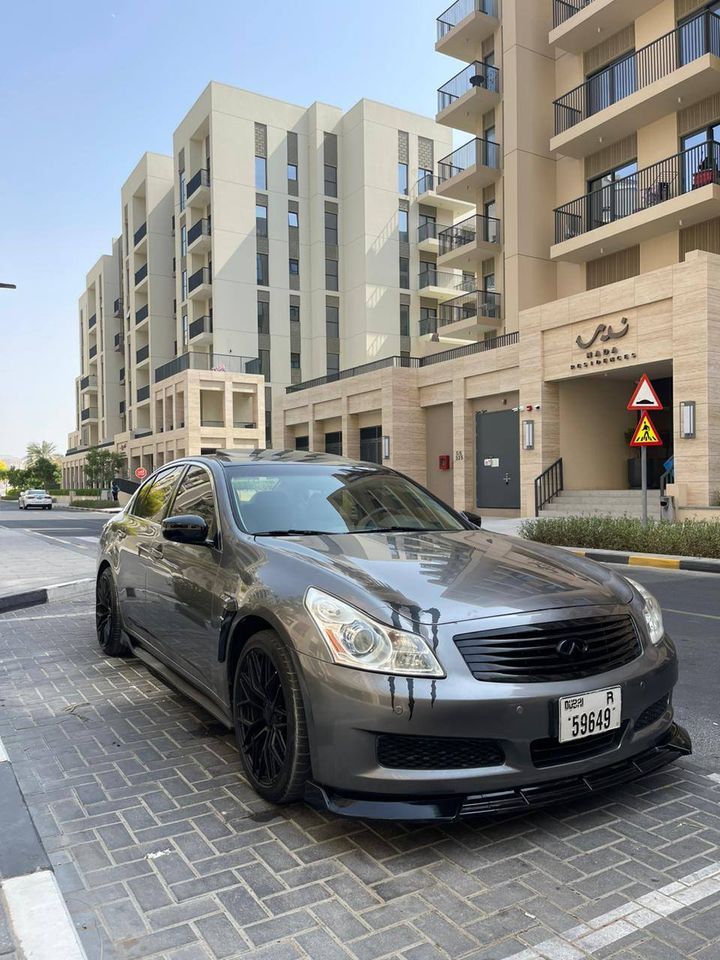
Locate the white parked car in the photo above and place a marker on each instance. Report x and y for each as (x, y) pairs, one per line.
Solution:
(35, 498)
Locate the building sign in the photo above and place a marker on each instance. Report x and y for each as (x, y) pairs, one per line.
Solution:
(603, 356)
(604, 333)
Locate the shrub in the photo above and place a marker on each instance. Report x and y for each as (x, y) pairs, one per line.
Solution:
(689, 538)
(91, 502)
(87, 492)
(11, 494)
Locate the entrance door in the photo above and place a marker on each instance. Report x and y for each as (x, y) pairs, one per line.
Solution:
(497, 453)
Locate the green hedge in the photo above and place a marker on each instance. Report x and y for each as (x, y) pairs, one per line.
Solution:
(690, 538)
(88, 492)
(91, 502)
(11, 494)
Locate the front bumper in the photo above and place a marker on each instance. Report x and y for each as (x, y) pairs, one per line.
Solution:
(672, 745)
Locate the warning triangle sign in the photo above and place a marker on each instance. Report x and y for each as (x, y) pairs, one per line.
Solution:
(645, 397)
(645, 434)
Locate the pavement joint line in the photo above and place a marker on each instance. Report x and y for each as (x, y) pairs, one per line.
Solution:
(55, 616)
(689, 613)
(601, 932)
(40, 919)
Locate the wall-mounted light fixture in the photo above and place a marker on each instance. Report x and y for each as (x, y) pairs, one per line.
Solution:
(528, 434)
(687, 419)
(386, 448)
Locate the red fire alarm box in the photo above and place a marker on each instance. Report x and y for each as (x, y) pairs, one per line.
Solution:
(444, 462)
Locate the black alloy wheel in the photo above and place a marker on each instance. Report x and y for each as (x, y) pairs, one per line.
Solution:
(107, 620)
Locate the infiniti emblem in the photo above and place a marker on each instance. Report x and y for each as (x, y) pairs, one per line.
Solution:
(572, 647)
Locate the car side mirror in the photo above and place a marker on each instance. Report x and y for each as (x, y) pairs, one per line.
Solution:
(186, 528)
(474, 518)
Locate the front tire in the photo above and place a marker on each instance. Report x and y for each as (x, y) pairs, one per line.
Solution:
(270, 726)
(107, 617)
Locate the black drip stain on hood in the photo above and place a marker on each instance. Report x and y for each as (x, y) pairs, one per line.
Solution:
(411, 698)
(391, 684)
(433, 693)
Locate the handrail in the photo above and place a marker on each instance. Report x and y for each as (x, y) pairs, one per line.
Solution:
(476, 152)
(548, 485)
(461, 9)
(474, 228)
(564, 10)
(477, 75)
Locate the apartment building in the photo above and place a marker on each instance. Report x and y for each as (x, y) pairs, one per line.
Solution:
(592, 164)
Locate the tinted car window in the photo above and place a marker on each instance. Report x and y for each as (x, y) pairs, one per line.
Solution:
(153, 496)
(195, 495)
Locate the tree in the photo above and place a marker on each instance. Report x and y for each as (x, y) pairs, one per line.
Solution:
(43, 449)
(3, 470)
(102, 465)
(45, 473)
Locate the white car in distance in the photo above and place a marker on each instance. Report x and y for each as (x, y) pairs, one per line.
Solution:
(35, 498)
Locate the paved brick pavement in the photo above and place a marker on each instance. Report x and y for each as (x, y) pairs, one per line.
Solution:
(162, 850)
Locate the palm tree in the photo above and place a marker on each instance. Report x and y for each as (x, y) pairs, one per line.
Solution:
(42, 449)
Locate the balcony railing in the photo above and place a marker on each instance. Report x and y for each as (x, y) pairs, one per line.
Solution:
(199, 229)
(686, 171)
(92, 321)
(475, 229)
(140, 233)
(481, 304)
(117, 307)
(221, 363)
(141, 313)
(445, 279)
(460, 10)
(121, 408)
(412, 363)
(119, 342)
(90, 413)
(198, 278)
(92, 352)
(477, 75)
(143, 393)
(244, 425)
(89, 381)
(141, 274)
(122, 374)
(201, 325)
(142, 354)
(688, 42)
(211, 423)
(200, 179)
(564, 9)
(428, 181)
(475, 153)
(430, 230)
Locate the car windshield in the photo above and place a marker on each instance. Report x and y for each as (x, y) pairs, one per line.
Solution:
(39, 493)
(313, 498)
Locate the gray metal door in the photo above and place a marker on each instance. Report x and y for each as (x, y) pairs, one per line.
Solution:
(497, 460)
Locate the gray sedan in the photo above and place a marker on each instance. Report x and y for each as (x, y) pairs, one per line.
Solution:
(376, 652)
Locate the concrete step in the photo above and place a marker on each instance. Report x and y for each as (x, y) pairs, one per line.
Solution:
(619, 514)
(602, 503)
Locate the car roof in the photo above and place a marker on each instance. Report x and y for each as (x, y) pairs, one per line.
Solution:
(259, 457)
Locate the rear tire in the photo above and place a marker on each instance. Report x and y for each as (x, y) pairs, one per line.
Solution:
(269, 716)
(107, 617)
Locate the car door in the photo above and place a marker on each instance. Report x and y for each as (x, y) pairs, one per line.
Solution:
(181, 593)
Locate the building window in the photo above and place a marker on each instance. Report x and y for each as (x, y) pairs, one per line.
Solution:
(261, 220)
(293, 219)
(403, 226)
(611, 195)
(333, 443)
(404, 319)
(371, 444)
(182, 190)
(263, 278)
(264, 358)
(402, 178)
(294, 313)
(294, 267)
(331, 275)
(426, 180)
(292, 171)
(331, 181)
(184, 285)
(294, 361)
(183, 241)
(186, 329)
(263, 316)
(302, 443)
(405, 273)
(489, 282)
(333, 363)
(260, 173)
(331, 228)
(332, 322)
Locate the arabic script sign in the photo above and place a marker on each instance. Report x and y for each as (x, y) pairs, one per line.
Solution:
(604, 333)
(606, 354)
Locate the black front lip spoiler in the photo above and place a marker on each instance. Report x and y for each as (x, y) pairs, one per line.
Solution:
(675, 743)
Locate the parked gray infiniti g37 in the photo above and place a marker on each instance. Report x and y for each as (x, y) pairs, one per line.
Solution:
(376, 652)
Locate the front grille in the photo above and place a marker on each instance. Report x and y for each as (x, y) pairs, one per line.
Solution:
(652, 713)
(530, 653)
(550, 752)
(437, 753)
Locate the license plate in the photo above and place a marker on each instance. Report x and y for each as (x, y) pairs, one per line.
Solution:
(587, 714)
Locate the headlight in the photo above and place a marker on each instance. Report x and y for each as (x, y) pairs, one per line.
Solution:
(651, 612)
(356, 640)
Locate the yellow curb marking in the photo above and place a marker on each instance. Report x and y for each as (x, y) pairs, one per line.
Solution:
(665, 562)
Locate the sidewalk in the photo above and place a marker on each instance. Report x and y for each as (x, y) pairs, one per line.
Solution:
(29, 562)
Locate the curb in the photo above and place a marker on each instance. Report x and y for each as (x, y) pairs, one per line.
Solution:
(40, 595)
(698, 564)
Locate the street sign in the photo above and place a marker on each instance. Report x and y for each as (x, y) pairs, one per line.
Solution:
(645, 434)
(141, 473)
(645, 397)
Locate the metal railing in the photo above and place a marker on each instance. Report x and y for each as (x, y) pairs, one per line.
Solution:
(244, 425)
(122, 374)
(198, 278)
(480, 304)
(89, 381)
(199, 229)
(548, 485)
(563, 10)
(211, 423)
(477, 152)
(90, 413)
(428, 181)
(429, 230)
(92, 352)
(686, 171)
(201, 325)
(456, 13)
(117, 307)
(140, 233)
(121, 408)
(92, 321)
(199, 179)
(444, 279)
(692, 39)
(221, 363)
(141, 274)
(477, 75)
(142, 354)
(476, 229)
(492, 343)
(119, 341)
(143, 393)
(141, 313)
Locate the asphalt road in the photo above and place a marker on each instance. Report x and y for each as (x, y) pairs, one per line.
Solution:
(77, 530)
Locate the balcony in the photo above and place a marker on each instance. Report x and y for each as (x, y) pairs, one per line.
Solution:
(119, 342)
(197, 189)
(141, 276)
(198, 236)
(219, 363)
(121, 408)
(141, 314)
(681, 67)
(577, 24)
(118, 307)
(142, 354)
(92, 321)
(682, 190)
(427, 236)
(90, 413)
(143, 393)
(464, 26)
(425, 192)
(464, 100)
(469, 169)
(464, 245)
(92, 352)
(140, 234)
(443, 285)
(88, 383)
(200, 284)
(200, 330)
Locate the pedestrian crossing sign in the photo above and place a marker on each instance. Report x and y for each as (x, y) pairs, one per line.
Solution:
(645, 434)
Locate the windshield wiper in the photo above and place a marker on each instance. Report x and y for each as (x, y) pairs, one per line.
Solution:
(401, 530)
(292, 533)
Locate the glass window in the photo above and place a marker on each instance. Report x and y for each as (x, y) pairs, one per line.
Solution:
(404, 319)
(333, 362)
(293, 219)
(182, 190)
(331, 228)
(615, 195)
(331, 275)
(701, 163)
(184, 282)
(263, 316)
(333, 443)
(302, 443)
(153, 496)
(294, 313)
(612, 83)
(292, 171)
(405, 273)
(186, 329)
(294, 361)
(332, 321)
(261, 223)
(263, 278)
(196, 496)
(402, 178)
(264, 358)
(183, 241)
(426, 181)
(403, 226)
(294, 267)
(261, 173)
(491, 223)
(331, 181)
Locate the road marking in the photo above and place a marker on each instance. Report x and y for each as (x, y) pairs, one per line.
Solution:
(584, 939)
(4, 758)
(54, 616)
(714, 776)
(689, 613)
(39, 916)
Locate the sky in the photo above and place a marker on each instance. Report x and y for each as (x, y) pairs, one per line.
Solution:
(87, 86)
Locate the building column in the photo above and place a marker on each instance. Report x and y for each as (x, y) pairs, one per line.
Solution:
(350, 432)
(228, 414)
(403, 421)
(316, 432)
(463, 452)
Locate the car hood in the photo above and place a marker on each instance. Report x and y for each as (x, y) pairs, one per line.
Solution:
(446, 577)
